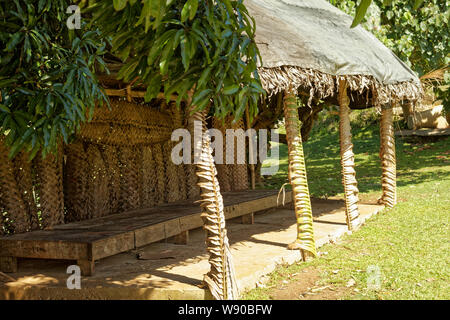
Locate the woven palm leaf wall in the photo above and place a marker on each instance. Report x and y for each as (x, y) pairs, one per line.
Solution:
(120, 161)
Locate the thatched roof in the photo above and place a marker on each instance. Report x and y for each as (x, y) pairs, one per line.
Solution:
(308, 45)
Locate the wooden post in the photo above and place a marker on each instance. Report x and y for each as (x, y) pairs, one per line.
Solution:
(348, 159)
(248, 218)
(182, 238)
(87, 267)
(388, 159)
(8, 264)
(297, 177)
(221, 278)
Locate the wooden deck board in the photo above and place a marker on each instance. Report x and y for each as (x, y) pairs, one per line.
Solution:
(106, 236)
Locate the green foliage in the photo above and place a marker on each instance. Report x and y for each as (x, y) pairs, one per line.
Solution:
(361, 9)
(416, 33)
(418, 37)
(444, 93)
(202, 45)
(46, 74)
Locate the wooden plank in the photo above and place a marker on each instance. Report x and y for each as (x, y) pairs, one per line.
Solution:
(424, 132)
(181, 238)
(112, 245)
(191, 222)
(45, 249)
(172, 228)
(146, 235)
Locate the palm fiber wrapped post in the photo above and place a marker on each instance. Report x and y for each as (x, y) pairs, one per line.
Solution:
(297, 177)
(388, 160)
(221, 277)
(348, 159)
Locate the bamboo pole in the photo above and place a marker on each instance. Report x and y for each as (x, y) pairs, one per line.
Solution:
(348, 159)
(388, 159)
(221, 278)
(298, 179)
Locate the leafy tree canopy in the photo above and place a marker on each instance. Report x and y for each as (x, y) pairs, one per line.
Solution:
(47, 83)
(204, 48)
(202, 45)
(189, 47)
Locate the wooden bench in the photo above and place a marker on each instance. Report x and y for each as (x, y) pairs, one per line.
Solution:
(91, 240)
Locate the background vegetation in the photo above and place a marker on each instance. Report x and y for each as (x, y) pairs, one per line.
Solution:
(419, 37)
(47, 80)
(47, 72)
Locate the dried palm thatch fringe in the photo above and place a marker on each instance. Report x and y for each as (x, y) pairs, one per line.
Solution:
(148, 174)
(388, 159)
(127, 124)
(23, 171)
(298, 179)
(221, 278)
(177, 116)
(160, 192)
(98, 195)
(111, 158)
(240, 171)
(348, 159)
(323, 85)
(11, 199)
(129, 171)
(223, 174)
(193, 191)
(172, 183)
(76, 177)
(51, 194)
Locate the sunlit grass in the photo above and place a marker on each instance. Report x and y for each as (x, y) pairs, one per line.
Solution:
(409, 243)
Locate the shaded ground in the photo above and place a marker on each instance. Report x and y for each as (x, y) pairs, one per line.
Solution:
(169, 271)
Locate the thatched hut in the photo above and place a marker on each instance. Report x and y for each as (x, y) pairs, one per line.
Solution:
(308, 49)
(120, 161)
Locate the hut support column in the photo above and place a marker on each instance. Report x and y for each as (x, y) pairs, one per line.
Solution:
(388, 159)
(221, 277)
(348, 159)
(297, 177)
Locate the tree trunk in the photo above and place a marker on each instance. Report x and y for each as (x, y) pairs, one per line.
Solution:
(297, 177)
(221, 277)
(387, 156)
(348, 159)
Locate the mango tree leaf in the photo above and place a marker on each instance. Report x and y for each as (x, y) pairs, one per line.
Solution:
(360, 12)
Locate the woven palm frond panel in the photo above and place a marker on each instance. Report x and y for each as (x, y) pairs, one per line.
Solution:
(31, 192)
(128, 172)
(119, 161)
(127, 124)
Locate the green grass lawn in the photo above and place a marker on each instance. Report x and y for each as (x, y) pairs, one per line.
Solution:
(409, 244)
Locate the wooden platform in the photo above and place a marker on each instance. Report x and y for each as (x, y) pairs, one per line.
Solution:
(424, 132)
(91, 240)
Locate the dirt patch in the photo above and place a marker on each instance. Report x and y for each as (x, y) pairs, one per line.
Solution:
(305, 285)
